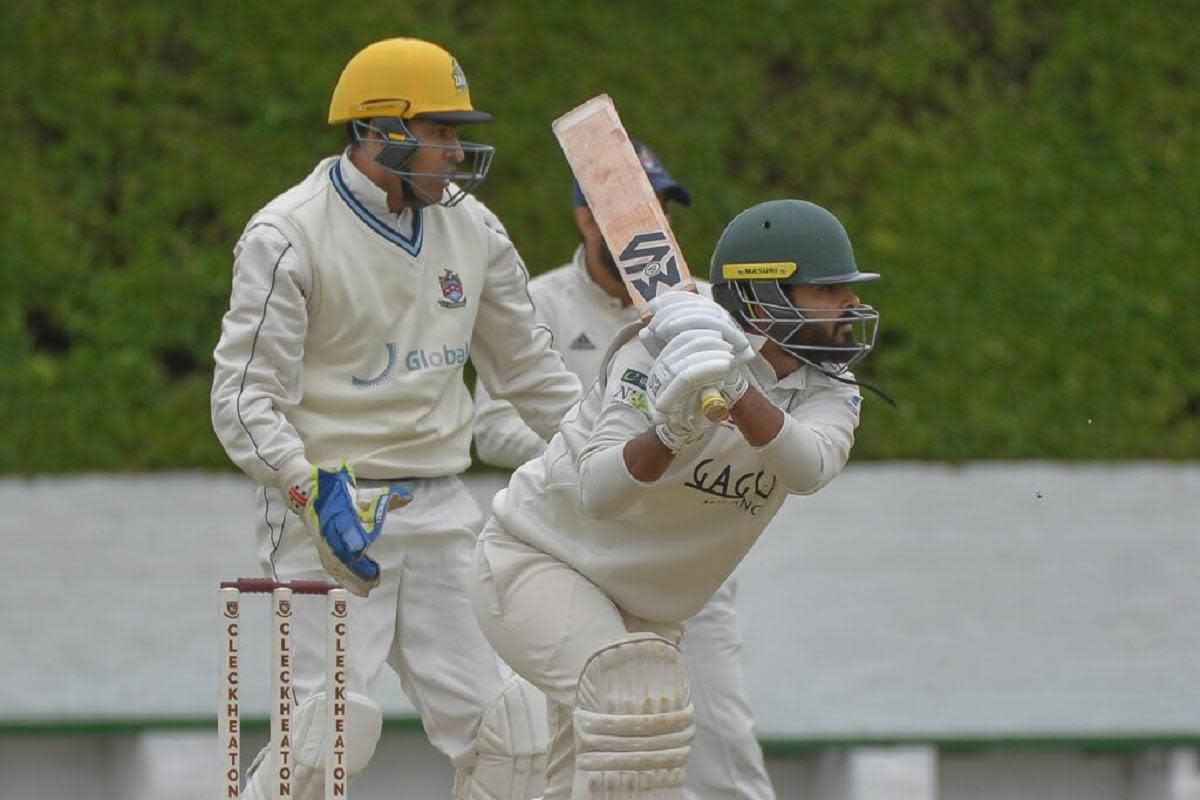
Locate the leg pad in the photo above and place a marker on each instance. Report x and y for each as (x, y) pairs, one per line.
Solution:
(633, 721)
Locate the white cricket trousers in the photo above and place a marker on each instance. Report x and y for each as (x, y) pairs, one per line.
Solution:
(546, 620)
(418, 620)
(726, 761)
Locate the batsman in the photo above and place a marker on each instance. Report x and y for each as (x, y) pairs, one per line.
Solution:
(584, 304)
(641, 507)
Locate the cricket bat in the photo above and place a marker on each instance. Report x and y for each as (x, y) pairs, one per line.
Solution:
(632, 220)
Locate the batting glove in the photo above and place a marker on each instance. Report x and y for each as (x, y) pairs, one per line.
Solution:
(690, 362)
(734, 386)
(676, 312)
(675, 437)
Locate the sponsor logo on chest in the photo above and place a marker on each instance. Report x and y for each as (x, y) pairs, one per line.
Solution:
(447, 356)
(749, 491)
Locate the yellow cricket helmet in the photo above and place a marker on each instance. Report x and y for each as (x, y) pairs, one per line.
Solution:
(404, 78)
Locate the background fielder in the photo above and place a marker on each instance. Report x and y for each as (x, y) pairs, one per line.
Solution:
(358, 296)
(585, 304)
(640, 507)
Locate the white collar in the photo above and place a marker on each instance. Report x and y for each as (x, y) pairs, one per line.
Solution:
(372, 198)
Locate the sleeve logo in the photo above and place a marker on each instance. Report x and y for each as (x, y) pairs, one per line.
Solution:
(634, 398)
(634, 378)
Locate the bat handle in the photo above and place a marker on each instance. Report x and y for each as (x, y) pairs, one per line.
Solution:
(713, 405)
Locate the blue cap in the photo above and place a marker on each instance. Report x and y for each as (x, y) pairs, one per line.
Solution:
(660, 179)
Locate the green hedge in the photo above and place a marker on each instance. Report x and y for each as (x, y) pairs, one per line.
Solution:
(1023, 173)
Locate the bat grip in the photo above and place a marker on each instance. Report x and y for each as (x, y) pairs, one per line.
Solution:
(713, 405)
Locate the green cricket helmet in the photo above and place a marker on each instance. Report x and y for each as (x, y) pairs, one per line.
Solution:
(781, 243)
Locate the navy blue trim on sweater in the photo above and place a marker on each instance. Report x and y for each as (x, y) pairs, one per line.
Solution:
(412, 245)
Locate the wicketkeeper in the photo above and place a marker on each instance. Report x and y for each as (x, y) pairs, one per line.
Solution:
(357, 296)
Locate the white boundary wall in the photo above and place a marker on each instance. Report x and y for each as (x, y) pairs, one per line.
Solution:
(904, 601)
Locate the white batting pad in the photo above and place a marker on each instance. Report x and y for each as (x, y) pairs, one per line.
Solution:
(633, 722)
(364, 724)
(510, 750)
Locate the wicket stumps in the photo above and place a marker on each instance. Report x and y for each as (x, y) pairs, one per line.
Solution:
(228, 719)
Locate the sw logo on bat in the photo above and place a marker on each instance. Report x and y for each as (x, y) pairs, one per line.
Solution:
(648, 262)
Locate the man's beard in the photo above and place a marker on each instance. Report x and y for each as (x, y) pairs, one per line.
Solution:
(824, 347)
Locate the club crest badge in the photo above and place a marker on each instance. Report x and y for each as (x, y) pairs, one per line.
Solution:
(453, 295)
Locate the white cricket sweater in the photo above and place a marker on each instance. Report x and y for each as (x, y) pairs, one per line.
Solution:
(676, 541)
(348, 329)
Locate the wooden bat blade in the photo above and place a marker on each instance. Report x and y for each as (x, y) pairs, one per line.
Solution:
(628, 211)
(622, 200)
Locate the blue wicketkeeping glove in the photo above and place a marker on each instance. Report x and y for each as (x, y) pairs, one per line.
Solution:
(343, 525)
